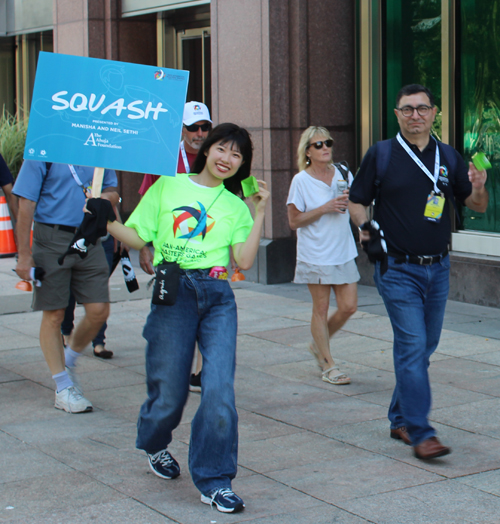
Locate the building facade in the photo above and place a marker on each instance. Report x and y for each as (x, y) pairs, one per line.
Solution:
(278, 66)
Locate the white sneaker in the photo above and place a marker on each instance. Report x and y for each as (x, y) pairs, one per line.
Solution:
(72, 401)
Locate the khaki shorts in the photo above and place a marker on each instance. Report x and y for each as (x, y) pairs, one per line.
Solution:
(87, 277)
(306, 273)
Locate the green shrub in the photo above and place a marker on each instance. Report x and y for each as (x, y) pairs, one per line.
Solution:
(12, 139)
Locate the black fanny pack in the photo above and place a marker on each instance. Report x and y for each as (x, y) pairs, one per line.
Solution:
(166, 284)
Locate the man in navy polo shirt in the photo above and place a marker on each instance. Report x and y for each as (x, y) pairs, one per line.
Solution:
(53, 195)
(414, 198)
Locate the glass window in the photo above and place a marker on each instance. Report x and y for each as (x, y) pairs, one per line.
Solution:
(479, 109)
(28, 47)
(8, 76)
(412, 45)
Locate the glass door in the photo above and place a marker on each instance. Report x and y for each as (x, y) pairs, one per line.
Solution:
(480, 100)
(412, 45)
(193, 55)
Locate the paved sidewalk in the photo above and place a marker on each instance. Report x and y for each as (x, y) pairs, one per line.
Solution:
(310, 452)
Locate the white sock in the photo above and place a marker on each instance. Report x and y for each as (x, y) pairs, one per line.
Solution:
(71, 357)
(62, 381)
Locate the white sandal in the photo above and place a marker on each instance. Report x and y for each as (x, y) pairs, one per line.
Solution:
(338, 380)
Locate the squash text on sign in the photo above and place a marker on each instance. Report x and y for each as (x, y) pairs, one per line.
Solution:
(79, 102)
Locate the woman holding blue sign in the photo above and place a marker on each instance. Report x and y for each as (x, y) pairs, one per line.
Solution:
(192, 219)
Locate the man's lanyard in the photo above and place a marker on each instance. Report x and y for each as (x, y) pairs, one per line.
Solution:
(77, 178)
(421, 165)
(184, 158)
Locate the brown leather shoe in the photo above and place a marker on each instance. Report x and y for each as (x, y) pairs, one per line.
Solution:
(401, 434)
(430, 448)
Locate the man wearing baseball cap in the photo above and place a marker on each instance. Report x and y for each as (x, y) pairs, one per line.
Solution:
(196, 126)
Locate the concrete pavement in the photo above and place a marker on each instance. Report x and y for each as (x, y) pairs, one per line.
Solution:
(310, 452)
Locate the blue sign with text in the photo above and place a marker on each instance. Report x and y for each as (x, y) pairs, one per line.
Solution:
(103, 113)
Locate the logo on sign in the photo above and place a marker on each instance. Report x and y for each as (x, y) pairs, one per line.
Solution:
(90, 140)
(159, 75)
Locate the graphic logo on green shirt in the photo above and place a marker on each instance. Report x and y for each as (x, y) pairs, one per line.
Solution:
(192, 222)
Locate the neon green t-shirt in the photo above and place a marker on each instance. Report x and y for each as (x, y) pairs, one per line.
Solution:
(175, 208)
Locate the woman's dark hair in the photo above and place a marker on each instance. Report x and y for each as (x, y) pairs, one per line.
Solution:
(413, 89)
(237, 136)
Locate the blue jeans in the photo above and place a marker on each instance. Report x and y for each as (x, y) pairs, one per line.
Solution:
(205, 311)
(68, 322)
(415, 298)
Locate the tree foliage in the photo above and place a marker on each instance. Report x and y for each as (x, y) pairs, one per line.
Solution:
(12, 140)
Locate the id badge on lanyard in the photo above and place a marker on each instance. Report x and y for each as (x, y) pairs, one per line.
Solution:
(184, 158)
(434, 207)
(87, 191)
(435, 200)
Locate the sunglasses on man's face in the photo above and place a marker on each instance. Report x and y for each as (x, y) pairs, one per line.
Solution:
(193, 128)
(319, 144)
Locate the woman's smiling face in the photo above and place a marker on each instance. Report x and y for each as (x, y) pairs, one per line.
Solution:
(223, 160)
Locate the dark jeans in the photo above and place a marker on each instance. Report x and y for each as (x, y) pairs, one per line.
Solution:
(205, 311)
(69, 315)
(415, 298)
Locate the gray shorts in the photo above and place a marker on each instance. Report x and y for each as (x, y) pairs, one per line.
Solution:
(87, 277)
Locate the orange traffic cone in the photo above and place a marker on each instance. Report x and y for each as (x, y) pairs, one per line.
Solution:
(7, 242)
(24, 285)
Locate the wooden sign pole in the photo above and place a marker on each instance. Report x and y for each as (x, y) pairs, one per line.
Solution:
(97, 182)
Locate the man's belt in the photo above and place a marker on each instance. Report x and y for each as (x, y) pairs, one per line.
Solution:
(68, 229)
(420, 260)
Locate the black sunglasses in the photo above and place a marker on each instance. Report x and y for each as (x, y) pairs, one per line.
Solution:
(319, 143)
(194, 127)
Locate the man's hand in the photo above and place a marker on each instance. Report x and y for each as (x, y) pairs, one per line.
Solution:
(24, 265)
(111, 194)
(478, 199)
(146, 260)
(359, 216)
(476, 177)
(364, 236)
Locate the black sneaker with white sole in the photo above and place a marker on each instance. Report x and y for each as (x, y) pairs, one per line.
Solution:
(164, 465)
(195, 382)
(224, 499)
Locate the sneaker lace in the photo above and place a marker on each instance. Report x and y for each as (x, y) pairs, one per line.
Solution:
(163, 457)
(223, 492)
(74, 393)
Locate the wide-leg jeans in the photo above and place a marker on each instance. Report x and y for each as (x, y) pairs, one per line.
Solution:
(415, 298)
(205, 311)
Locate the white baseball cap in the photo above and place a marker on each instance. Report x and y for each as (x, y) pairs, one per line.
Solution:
(194, 112)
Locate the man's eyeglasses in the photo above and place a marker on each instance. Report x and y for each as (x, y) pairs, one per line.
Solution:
(193, 128)
(319, 144)
(408, 110)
